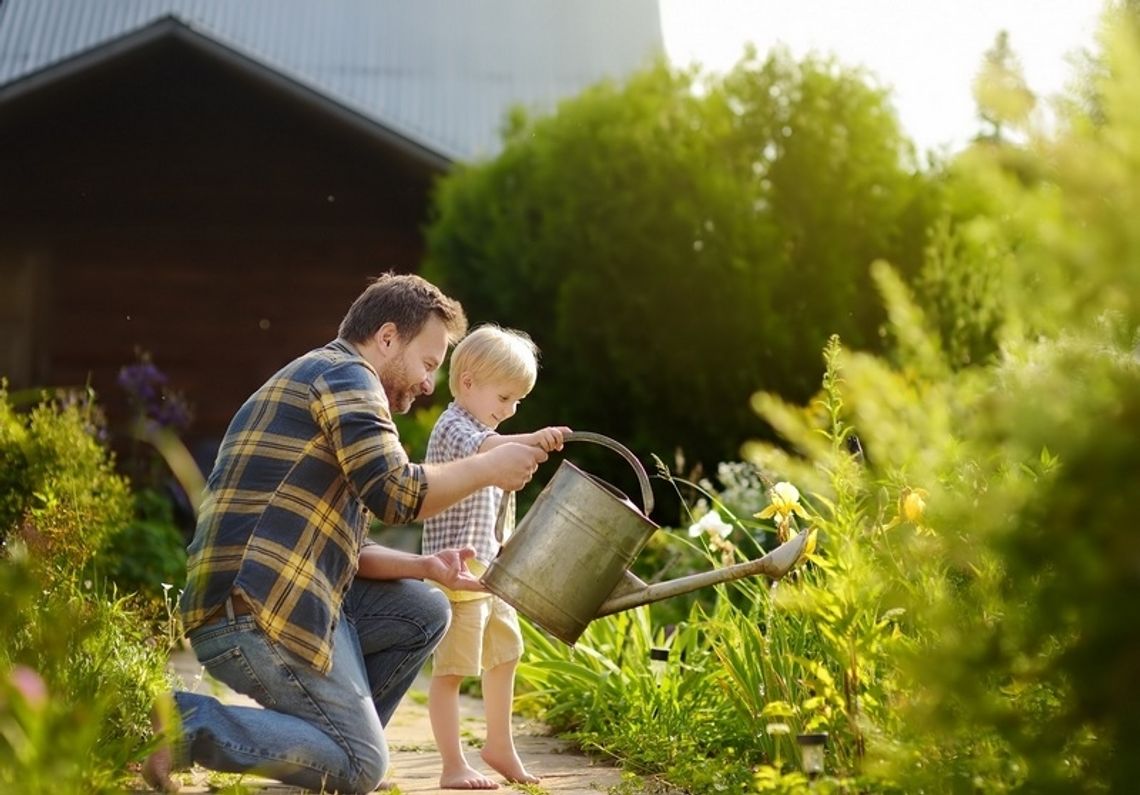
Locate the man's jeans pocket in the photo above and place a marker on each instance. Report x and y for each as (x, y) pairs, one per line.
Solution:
(231, 668)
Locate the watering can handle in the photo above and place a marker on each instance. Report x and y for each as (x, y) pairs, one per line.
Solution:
(597, 438)
(638, 469)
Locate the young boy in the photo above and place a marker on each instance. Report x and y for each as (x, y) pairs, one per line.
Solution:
(492, 369)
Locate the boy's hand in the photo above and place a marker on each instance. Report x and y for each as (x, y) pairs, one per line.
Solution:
(550, 438)
(448, 567)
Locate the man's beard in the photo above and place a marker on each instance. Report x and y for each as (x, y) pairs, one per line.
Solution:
(401, 394)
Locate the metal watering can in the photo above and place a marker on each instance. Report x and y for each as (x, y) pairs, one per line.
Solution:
(567, 561)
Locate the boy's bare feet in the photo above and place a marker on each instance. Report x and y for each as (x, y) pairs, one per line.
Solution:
(465, 777)
(509, 766)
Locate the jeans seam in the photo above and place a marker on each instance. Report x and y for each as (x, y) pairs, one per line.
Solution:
(400, 669)
(330, 728)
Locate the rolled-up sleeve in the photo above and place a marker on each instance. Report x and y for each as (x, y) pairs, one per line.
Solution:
(350, 407)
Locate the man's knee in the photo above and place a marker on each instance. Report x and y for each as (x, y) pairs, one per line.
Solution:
(368, 762)
(370, 773)
(437, 614)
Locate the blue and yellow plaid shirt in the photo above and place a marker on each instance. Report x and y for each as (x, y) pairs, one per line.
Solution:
(285, 510)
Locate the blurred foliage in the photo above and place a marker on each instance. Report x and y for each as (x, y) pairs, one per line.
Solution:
(147, 555)
(94, 670)
(678, 241)
(970, 621)
(1000, 91)
(79, 665)
(415, 428)
(59, 492)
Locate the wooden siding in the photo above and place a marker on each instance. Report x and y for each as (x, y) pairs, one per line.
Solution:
(176, 207)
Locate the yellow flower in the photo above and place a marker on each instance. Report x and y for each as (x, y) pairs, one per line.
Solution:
(809, 545)
(784, 500)
(912, 504)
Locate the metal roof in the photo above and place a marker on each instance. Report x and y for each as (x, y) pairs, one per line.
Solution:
(440, 73)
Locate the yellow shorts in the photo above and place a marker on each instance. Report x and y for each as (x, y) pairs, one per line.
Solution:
(484, 633)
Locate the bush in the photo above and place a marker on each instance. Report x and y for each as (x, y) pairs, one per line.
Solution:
(79, 667)
(78, 675)
(61, 494)
(672, 245)
(148, 555)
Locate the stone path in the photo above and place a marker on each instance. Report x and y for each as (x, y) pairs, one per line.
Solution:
(415, 764)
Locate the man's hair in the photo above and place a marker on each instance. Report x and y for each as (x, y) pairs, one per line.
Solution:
(492, 354)
(407, 301)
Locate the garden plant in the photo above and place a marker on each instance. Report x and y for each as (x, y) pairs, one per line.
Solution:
(961, 454)
(967, 620)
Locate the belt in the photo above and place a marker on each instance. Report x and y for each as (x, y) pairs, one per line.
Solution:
(236, 606)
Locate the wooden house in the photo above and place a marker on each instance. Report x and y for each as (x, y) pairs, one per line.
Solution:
(213, 182)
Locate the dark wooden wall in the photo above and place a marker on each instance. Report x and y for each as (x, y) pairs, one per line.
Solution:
(168, 203)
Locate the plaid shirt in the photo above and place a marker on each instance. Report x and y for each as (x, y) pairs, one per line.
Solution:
(285, 510)
(471, 521)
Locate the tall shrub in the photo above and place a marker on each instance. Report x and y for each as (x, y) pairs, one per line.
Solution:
(675, 242)
(79, 667)
(60, 492)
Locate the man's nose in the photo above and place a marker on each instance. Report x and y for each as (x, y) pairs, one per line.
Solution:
(428, 385)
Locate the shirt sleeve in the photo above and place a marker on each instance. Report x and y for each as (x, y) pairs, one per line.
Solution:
(453, 437)
(350, 407)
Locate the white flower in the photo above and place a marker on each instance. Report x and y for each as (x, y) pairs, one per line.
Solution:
(712, 524)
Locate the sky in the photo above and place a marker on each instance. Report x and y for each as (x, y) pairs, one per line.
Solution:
(926, 51)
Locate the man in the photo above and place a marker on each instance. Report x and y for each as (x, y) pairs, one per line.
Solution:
(286, 601)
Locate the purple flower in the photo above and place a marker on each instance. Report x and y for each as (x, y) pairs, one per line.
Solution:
(150, 398)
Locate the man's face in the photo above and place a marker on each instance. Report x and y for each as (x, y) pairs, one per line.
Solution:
(410, 371)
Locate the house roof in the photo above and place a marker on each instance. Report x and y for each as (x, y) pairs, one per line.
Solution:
(432, 76)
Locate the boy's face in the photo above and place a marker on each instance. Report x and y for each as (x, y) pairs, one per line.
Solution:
(490, 402)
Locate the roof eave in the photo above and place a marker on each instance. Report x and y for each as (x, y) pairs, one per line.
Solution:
(173, 27)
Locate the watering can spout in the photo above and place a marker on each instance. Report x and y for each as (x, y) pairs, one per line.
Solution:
(631, 592)
(568, 560)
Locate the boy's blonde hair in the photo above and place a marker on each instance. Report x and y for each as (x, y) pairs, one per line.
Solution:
(493, 353)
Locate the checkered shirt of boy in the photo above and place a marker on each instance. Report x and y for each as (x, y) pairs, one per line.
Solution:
(470, 522)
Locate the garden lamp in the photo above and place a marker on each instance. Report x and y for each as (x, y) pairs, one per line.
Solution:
(811, 752)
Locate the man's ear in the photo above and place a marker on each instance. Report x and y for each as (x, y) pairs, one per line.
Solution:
(386, 335)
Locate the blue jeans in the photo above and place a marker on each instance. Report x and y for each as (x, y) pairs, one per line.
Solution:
(322, 732)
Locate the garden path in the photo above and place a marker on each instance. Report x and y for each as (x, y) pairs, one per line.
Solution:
(415, 764)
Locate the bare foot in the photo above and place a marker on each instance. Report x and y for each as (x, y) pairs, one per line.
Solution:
(509, 766)
(465, 777)
(157, 768)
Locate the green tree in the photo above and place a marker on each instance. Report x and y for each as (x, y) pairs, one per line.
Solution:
(1003, 97)
(1120, 20)
(677, 242)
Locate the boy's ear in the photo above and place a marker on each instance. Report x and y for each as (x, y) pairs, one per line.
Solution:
(466, 380)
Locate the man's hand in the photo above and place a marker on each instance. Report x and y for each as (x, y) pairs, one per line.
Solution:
(448, 567)
(549, 439)
(514, 464)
